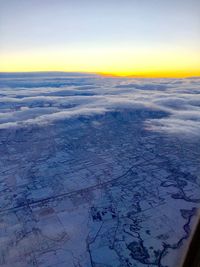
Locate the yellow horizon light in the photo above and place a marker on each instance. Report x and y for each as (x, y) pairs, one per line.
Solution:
(131, 62)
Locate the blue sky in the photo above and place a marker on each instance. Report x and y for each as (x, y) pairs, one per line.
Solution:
(30, 28)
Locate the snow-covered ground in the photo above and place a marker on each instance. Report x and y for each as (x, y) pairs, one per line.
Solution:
(97, 172)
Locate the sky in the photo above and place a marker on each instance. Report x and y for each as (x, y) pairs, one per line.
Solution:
(146, 38)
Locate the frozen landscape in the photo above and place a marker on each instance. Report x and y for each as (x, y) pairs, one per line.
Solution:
(97, 171)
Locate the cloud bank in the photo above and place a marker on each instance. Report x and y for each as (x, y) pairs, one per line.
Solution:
(40, 100)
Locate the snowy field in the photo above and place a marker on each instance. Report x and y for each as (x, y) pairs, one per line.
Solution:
(97, 172)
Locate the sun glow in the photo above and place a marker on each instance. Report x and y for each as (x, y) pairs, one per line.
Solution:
(127, 61)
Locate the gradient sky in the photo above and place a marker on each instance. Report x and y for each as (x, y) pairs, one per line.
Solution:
(127, 37)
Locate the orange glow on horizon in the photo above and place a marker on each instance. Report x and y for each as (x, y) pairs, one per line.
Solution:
(142, 62)
(152, 75)
(144, 75)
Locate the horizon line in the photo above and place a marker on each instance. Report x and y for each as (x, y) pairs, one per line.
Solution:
(111, 75)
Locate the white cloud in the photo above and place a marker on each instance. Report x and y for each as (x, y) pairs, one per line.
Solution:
(180, 98)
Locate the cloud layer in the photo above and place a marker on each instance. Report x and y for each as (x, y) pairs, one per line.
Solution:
(44, 99)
